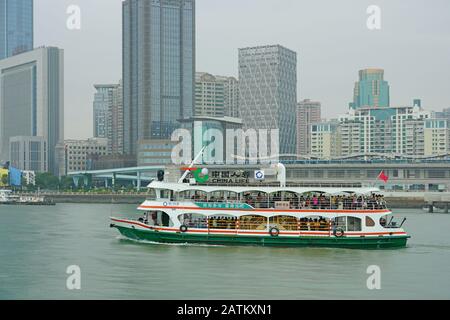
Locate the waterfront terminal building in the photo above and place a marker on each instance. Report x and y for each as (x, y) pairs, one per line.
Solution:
(407, 175)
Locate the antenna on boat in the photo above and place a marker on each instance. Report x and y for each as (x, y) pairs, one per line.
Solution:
(191, 165)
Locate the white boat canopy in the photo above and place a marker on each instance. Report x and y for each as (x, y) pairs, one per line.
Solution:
(181, 187)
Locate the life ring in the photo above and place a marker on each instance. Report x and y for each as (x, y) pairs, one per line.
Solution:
(274, 232)
(183, 228)
(339, 232)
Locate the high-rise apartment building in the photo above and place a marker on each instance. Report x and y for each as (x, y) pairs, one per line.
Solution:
(268, 92)
(325, 140)
(108, 115)
(101, 107)
(209, 95)
(308, 112)
(158, 68)
(216, 96)
(436, 137)
(32, 99)
(231, 96)
(393, 130)
(115, 124)
(16, 27)
(371, 90)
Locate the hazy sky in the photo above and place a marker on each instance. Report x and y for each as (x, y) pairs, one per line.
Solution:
(330, 37)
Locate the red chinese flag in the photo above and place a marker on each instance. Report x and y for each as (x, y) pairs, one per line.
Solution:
(383, 177)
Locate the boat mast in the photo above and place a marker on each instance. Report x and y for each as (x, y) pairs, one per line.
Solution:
(191, 165)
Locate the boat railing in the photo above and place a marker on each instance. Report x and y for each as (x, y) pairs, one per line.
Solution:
(258, 224)
(287, 204)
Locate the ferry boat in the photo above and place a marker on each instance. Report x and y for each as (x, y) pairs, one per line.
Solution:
(7, 197)
(265, 216)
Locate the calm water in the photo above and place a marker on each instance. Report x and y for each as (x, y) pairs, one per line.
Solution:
(37, 244)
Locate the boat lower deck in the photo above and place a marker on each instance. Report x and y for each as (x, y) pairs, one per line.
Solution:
(372, 242)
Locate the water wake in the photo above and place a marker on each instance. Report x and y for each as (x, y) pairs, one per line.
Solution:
(123, 238)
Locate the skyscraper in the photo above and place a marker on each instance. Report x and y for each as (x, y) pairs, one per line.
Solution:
(32, 100)
(308, 112)
(108, 115)
(371, 90)
(115, 128)
(16, 27)
(101, 107)
(268, 91)
(158, 68)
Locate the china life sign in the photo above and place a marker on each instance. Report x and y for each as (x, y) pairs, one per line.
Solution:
(259, 175)
(230, 177)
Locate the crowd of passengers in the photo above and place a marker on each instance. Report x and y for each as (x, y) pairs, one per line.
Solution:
(315, 201)
(307, 224)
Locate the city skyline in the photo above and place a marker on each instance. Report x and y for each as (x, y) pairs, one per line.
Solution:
(324, 40)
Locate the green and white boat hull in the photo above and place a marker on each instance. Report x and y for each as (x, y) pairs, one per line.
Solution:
(137, 231)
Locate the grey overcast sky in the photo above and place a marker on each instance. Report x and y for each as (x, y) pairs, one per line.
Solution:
(330, 37)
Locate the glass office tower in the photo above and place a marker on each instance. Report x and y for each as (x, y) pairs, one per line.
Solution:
(16, 27)
(268, 92)
(158, 68)
(371, 90)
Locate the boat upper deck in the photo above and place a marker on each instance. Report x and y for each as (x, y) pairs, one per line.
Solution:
(182, 187)
(263, 197)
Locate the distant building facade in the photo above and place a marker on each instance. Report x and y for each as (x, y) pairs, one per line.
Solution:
(209, 95)
(436, 137)
(216, 96)
(110, 161)
(155, 152)
(231, 96)
(77, 152)
(324, 140)
(101, 106)
(32, 99)
(268, 92)
(408, 131)
(16, 27)
(206, 132)
(158, 68)
(108, 115)
(308, 112)
(371, 90)
(378, 130)
(115, 123)
(29, 153)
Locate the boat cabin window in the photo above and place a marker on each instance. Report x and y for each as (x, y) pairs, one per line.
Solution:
(284, 222)
(193, 220)
(199, 196)
(151, 195)
(224, 221)
(157, 218)
(369, 222)
(314, 223)
(347, 223)
(353, 224)
(167, 194)
(340, 222)
(217, 196)
(252, 222)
